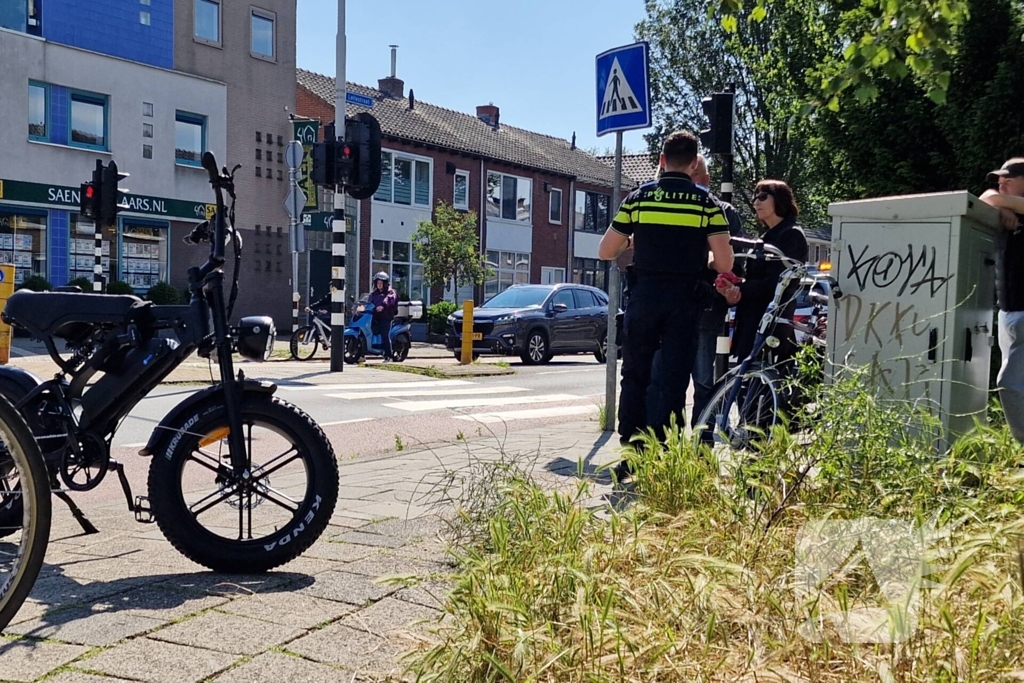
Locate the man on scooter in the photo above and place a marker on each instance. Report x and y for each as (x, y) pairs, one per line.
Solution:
(384, 303)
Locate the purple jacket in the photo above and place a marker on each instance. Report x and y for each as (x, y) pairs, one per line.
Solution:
(388, 299)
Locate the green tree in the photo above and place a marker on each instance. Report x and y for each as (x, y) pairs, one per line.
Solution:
(768, 61)
(876, 39)
(449, 248)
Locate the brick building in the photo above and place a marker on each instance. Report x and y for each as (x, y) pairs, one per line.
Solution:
(542, 203)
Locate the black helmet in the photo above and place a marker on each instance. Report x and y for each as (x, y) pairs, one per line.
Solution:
(381, 276)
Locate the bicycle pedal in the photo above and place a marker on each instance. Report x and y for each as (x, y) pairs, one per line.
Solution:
(143, 512)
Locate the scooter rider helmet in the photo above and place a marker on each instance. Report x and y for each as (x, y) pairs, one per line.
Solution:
(382, 276)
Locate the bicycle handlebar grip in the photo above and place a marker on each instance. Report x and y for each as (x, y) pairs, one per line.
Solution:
(210, 164)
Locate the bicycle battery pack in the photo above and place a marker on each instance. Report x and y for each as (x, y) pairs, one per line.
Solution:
(142, 369)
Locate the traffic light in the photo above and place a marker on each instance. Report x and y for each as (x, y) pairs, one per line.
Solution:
(354, 162)
(110, 195)
(324, 173)
(718, 109)
(100, 199)
(362, 136)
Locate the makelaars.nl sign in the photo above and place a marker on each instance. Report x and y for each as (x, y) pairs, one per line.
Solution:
(56, 195)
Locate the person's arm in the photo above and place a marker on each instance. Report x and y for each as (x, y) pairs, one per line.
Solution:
(619, 235)
(718, 238)
(1009, 206)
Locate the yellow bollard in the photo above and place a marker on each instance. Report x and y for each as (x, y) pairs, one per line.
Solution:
(467, 332)
(6, 289)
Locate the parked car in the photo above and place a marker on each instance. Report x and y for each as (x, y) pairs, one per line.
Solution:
(536, 322)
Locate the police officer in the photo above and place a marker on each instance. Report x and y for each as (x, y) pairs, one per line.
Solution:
(673, 223)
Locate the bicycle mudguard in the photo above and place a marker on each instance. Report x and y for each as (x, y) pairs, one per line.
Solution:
(168, 427)
(16, 383)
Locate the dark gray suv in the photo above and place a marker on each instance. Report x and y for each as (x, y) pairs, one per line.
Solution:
(536, 322)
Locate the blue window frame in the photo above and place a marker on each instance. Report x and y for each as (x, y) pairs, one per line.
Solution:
(189, 138)
(38, 111)
(88, 121)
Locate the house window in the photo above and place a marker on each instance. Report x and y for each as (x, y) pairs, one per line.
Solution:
(403, 180)
(144, 18)
(262, 34)
(592, 212)
(555, 207)
(147, 109)
(507, 268)
(147, 130)
(399, 260)
(461, 198)
(147, 151)
(37, 108)
(589, 271)
(189, 138)
(509, 197)
(207, 24)
(88, 121)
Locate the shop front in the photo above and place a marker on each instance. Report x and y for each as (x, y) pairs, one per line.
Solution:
(42, 234)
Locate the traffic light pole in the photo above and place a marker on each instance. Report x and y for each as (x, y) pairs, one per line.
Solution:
(612, 351)
(338, 222)
(724, 343)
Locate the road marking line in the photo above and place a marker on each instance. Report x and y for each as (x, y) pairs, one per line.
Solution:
(376, 385)
(346, 422)
(416, 406)
(131, 445)
(566, 372)
(399, 393)
(507, 416)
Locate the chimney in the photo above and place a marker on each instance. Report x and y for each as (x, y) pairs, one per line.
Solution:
(392, 85)
(489, 114)
(412, 100)
(573, 140)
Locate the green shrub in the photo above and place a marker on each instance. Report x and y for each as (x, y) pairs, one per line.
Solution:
(119, 287)
(163, 294)
(36, 283)
(82, 282)
(437, 315)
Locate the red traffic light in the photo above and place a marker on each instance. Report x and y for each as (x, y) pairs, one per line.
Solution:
(346, 150)
(89, 192)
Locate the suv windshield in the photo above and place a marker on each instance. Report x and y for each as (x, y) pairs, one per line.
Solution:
(523, 297)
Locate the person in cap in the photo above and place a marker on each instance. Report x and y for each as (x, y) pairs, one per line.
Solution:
(1009, 199)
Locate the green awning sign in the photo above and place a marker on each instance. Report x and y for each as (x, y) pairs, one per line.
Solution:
(69, 197)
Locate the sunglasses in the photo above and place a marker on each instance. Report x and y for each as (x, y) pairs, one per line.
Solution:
(762, 196)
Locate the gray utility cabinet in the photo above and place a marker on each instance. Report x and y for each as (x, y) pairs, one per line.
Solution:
(918, 275)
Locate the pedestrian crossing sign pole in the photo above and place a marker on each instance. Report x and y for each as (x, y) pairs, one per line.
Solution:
(623, 103)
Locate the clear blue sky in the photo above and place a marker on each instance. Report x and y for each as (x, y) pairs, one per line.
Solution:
(534, 59)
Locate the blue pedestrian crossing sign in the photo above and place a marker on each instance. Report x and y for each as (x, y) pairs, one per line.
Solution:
(623, 89)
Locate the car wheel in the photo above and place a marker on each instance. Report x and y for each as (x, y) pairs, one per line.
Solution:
(536, 351)
(601, 354)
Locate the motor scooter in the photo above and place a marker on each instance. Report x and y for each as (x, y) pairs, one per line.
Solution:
(361, 342)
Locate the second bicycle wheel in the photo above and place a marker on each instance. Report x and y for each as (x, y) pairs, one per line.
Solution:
(749, 420)
(23, 478)
(304, 343)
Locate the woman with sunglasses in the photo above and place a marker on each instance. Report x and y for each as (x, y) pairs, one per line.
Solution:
(777, 211)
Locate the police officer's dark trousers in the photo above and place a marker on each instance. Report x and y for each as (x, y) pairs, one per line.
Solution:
(662, 313)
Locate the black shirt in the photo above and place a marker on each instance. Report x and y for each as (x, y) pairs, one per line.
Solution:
(1010, 269)
(670, 220)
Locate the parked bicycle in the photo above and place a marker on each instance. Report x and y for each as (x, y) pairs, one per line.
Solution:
(25, 535)
(308, 338)
(746, 402)
(254, 454)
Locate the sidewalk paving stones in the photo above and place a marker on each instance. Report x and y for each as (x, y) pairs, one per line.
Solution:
(227, 633)
(274, 667)
(351, 601)
(144, 659)
(26, 660)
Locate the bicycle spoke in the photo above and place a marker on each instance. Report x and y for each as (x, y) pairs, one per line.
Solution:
(209, 463)
(262, 472)
(263, 492)
(224, 495)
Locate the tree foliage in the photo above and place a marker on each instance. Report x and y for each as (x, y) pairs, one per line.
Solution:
(449, 248)
(877, 40)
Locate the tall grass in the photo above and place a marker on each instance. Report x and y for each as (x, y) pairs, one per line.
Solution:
(699, 580)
